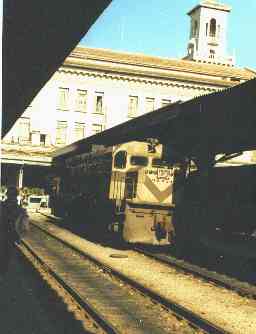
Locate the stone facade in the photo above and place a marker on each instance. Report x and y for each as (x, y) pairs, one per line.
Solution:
(96, 89)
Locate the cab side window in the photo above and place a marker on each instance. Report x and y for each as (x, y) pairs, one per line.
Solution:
(160, 163)
(137, 160)
(120, 160)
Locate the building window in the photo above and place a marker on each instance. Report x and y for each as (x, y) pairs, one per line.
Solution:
(195, 29)
(81, 100)
(212, 27)
(218, 32)
(24, 129)
(206, 29)
(191, 49)
(96, 128)
(212, 54)
(191, 30)
(42, 139)
(133, 106)
(165, 102)
(63, 99)
(149, 104)
(79, 131)
(61, 132)
(99, 103)
(35, 138)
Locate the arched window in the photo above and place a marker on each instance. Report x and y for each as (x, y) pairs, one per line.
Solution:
(212, 27)
(212, 54)
(218, 32)
(191, 30)
(190, 49)
(195, 28)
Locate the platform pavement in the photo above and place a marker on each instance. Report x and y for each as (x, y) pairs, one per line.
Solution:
(20, 310)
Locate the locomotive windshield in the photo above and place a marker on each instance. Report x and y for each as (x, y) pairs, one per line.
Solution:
(160, 163)
(137, 160)
(120, 159)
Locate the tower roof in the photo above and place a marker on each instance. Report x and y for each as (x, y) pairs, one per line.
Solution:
(214, 4)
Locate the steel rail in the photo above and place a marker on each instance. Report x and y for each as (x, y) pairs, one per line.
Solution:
(243, 289)
(89, 309)
(192, 318)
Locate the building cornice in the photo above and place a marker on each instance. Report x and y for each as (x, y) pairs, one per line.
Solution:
(23, 159)
(25, 155)
(159, 77)
(151, 63)
(211, 4)
(251, 70)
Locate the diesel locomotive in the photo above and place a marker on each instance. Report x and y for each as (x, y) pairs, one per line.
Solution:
(126, 189)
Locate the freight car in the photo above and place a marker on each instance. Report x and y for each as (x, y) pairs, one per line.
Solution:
(128, 189)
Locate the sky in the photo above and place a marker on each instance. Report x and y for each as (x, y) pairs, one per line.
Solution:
(161, 28)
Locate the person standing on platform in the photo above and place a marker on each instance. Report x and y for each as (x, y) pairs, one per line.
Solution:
(13, 225)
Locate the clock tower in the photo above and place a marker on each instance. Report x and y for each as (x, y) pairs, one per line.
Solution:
(208, 31)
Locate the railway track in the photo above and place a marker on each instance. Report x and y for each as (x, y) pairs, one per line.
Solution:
(195, 321)
(231, 283)
(123, 311)
(244, 289)
(95, 322)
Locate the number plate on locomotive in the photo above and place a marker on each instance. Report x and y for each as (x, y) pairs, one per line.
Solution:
(163, 173)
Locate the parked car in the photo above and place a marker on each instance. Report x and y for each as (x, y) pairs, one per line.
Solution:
(37, 201)
(3, 197)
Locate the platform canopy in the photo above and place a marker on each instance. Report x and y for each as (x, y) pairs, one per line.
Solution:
(222, 122)
(37, 36)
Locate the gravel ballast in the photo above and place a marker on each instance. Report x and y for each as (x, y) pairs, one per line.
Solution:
(225, 308)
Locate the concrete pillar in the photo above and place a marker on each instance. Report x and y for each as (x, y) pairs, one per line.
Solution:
(20, 177)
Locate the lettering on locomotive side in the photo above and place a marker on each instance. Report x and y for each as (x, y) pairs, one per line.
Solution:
(164, 173)
(160, 173)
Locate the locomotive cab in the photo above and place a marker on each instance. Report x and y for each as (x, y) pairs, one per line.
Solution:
(141, 185)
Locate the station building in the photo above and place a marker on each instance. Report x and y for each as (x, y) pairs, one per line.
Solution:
(96, 89)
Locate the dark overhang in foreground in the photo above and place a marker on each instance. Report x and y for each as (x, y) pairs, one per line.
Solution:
(222, 122)
(37, 37)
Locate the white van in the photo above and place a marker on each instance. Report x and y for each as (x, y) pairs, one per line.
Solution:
(37, 201)
(3, 197)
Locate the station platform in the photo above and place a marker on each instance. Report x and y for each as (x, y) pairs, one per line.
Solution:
(21, 311)
(238, 246)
